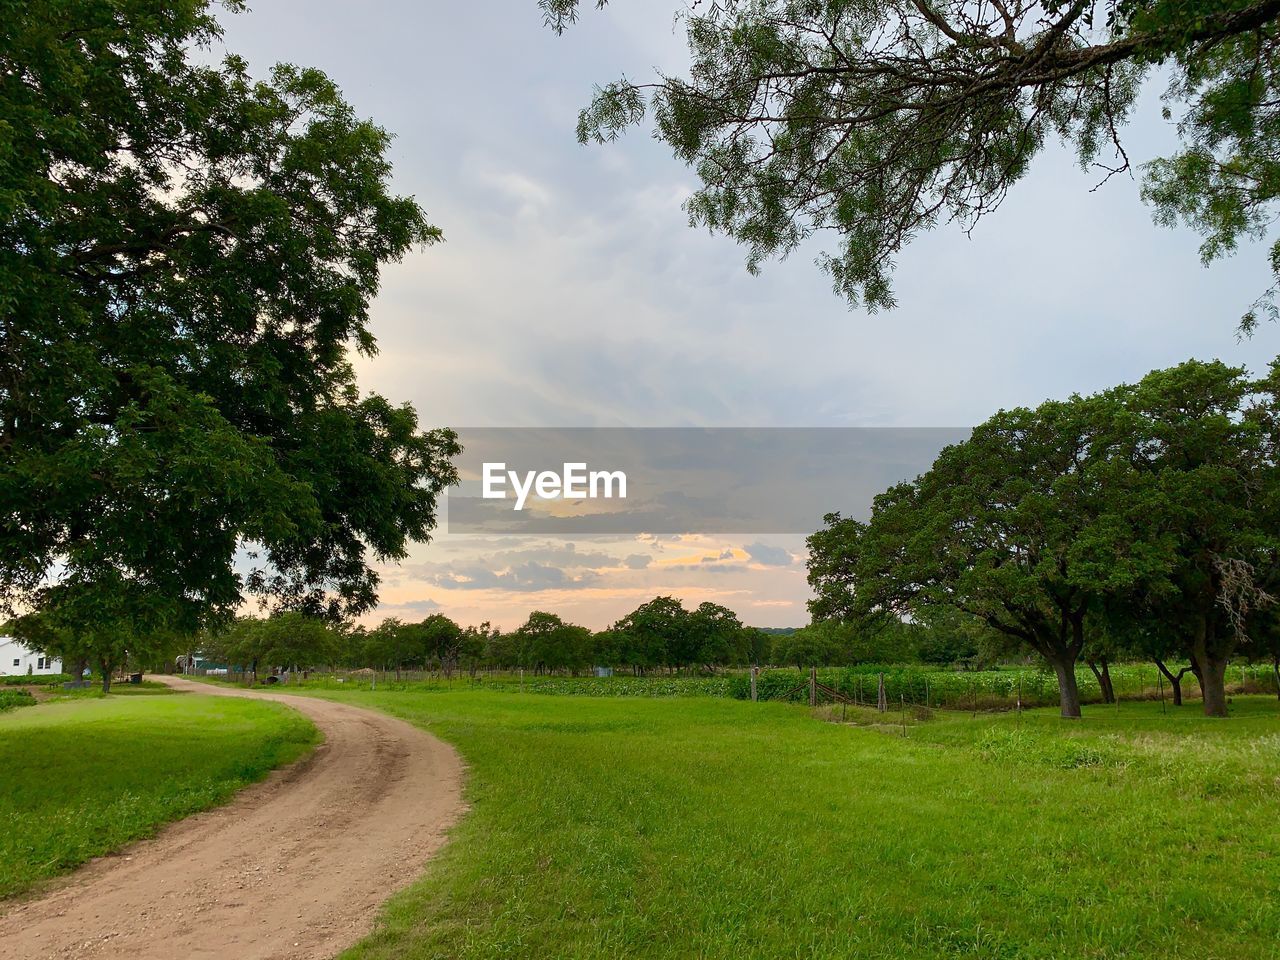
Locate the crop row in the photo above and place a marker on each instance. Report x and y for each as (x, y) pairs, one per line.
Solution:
(977, 688)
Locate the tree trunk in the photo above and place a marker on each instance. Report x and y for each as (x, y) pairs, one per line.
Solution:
(1214, 685)
(1068, 689)
(77, 668)
(1211, 669)
(1175, 680)
(106, 669)
(1104, 680)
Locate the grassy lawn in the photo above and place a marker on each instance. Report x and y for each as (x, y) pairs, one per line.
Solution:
(715, 828)
(84, 775)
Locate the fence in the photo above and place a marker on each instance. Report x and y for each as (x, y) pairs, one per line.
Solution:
(980, 690)
(858, 686)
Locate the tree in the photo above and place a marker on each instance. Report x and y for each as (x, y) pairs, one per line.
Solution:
(284, 640)
(757, 646)
(1200, 438)
(188, 257)
(386, 645)
(1068, 526)
(105, 624)
(821, 644)
(949, 636)
(439, 641)
(474, 646)
(1264, 637)
(297, 640)
(1022, 526)
(1263, 626)
(606, 648)
(714, 633)
(548, 643)
(501, 649)
(879, 120)
(654, 634)
(1144, 632)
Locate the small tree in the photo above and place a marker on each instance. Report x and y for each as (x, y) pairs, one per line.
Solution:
(714, 633)
(438, 640)
(386, 645)
(820, 644)
(656, 633)
(549, 643)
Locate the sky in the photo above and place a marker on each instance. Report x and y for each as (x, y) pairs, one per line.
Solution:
(570, 291)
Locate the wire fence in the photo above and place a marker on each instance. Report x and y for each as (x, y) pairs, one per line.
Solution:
(862, 686)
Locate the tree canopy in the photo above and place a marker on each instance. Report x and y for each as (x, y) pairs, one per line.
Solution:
(878, 120)
(187, 259)
(1082, 521)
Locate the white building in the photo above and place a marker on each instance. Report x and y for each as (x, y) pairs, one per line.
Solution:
(17, 659)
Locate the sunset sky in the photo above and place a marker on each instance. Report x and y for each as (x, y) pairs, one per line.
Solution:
(570, 291)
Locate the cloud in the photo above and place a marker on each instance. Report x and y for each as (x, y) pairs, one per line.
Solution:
(571, 290)
(425, 605)
(565, 555)
(529, 577)
(769, 556)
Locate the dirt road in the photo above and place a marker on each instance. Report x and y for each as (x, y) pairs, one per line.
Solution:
(295, 867)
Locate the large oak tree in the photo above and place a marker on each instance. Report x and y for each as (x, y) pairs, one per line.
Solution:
(1021, 527)
(187, 259)
(1143, 518)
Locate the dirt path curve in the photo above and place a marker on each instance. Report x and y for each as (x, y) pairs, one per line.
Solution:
(294, 868)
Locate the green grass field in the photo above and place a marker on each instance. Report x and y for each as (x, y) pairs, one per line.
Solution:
(704, 827)
(84, 775)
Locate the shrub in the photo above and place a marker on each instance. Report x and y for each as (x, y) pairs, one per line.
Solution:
(9, 699)
(34, 680)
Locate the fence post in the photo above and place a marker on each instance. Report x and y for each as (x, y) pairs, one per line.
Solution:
(754, 672)
(881, 703)
(813, 686)
(902, 703)
(1019, 698)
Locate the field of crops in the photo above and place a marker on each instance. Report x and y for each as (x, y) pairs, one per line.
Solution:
(34, 680)
(665, 685)
(935, 687)
(984, 689)
(9, 699)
